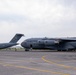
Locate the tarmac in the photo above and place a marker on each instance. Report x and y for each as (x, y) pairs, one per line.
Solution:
(37, 63)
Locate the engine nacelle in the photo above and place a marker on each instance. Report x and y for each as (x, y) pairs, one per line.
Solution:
(49, 42)
(40, 41)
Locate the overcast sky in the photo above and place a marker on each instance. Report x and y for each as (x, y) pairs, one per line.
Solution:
(37, 18)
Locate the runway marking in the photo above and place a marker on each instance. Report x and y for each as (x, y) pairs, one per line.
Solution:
(51, 62)
(35, 69)
(20, 60)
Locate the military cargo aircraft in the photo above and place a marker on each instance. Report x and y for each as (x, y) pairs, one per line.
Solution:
(60, 44)
(12, 42)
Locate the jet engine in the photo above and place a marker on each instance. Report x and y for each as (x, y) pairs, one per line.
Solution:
(41, 42)
(49, 42)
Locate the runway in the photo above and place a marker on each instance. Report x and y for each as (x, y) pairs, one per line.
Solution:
(37, 63)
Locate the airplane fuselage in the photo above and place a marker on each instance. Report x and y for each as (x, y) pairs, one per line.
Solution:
(12, 42)
(45, 43)
(6, 45)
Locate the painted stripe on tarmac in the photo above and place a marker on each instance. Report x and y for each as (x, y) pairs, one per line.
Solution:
(35, 69)
(62, 65)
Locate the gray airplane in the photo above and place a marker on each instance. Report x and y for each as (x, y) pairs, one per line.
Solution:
(60, 44)
(13, 42)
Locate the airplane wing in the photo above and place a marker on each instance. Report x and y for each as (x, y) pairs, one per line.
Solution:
(61, 40)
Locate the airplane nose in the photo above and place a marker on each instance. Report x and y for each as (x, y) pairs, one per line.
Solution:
(23, 44)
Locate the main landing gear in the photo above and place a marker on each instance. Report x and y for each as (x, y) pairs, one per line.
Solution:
(26, 49)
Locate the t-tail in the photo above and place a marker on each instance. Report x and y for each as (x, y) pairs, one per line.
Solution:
(16, 38)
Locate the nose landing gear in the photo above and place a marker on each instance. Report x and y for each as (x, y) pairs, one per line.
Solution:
(27, 49)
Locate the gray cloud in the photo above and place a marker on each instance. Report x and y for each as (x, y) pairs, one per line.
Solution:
(37, 18)
(12, 17)
(68, 2)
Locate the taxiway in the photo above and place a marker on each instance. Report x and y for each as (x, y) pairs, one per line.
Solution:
(37, 63)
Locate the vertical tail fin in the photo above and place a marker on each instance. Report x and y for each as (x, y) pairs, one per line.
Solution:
(16, 38)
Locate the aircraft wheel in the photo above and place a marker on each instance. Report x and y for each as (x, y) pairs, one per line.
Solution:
(74, 50)
(26, 49)
(59, 50)
(64, 50)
